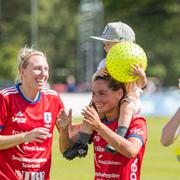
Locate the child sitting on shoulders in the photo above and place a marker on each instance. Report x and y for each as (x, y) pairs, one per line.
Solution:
(114, 33)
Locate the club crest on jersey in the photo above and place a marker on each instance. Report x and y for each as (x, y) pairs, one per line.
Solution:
(47, 117)
(19, 118)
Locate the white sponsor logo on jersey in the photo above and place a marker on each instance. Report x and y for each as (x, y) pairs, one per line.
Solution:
(137, 131)
(97, 138)
(25, 175)
(19, 118)
(134, 168)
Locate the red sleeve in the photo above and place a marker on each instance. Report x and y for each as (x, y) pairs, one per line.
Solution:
(3, 111)
(138, 128)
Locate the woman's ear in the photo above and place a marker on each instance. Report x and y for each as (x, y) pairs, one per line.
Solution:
(119, 94)
(21, 72)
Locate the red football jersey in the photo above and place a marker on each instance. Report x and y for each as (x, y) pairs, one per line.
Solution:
(17, 114)
(110, 166)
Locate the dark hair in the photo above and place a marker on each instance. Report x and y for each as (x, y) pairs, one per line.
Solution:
(112, 83)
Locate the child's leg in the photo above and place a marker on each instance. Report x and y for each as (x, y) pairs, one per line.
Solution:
(122, 130)
(123, 122)
(126, 112)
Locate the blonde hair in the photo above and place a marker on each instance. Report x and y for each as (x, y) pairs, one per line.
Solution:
(23, 56)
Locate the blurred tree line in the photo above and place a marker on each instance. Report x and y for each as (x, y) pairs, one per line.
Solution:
(155, 22)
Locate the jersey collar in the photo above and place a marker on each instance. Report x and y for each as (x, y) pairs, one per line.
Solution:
(26, 99)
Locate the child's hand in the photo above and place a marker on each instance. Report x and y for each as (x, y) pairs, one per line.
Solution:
(137, 70)
(64, 119)
(100, 72)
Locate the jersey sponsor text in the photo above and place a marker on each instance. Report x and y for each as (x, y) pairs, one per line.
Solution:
(25, 175)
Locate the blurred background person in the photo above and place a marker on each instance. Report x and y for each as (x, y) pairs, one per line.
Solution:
(172, 129)
(71, 83)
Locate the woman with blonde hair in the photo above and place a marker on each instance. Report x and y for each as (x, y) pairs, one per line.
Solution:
(28, 114)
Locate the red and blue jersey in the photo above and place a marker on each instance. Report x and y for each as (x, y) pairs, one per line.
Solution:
(17, 115)
(110, 166)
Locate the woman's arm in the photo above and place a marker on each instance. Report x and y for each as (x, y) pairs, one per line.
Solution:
(62, 123)
(67, 132)
(37, 135)
(127, 147)
(170, 130)
(11, 140)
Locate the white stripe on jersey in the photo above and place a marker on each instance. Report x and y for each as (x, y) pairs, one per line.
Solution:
(7, 89)
(5, 94)
(10, 90)
(49, 91)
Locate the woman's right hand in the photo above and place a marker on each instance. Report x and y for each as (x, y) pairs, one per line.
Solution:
(37, 135)
(91, 117)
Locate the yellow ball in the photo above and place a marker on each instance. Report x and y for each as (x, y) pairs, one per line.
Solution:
(121, 56)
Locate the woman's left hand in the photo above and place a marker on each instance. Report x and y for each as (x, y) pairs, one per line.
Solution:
(64, 119)
(91, 117)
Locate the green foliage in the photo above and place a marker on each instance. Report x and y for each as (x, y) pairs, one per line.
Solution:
(61, 26)
(8, 65)
(156, 23)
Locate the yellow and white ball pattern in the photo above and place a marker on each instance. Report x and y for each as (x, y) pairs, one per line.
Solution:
(121, 56)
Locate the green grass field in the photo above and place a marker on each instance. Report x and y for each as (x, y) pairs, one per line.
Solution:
(159, 162)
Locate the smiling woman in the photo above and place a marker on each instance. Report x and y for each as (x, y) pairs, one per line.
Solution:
(33, 71)
(102, 118)
(28, 114)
